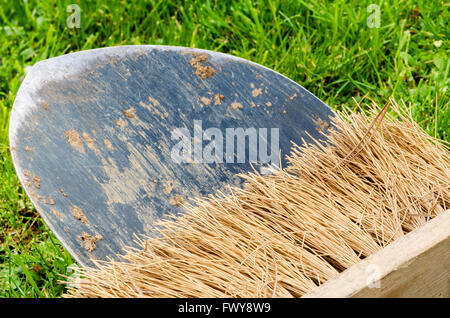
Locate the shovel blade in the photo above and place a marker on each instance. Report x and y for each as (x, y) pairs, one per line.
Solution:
(107, 142)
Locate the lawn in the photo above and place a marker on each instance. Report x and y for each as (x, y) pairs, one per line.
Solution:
(344, 52)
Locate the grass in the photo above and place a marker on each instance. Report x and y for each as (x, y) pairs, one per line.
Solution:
(326, 46)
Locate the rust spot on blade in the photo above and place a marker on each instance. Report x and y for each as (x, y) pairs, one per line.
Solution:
(155, 108)
(90, 241)
(198, 62)
(121, 123)
(78, 214)
(168, 187)
(108, 144)
(321, 124)
(45, 200)
(58, 214)
(90, 142)
(218, 98)
(206, 101)
(256, 92)
(130, 113)
(236, 105)
(36, 181)
(62, 192)
(177, 201)
(74, 139)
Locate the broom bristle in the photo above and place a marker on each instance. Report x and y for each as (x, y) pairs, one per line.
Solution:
(283, 235)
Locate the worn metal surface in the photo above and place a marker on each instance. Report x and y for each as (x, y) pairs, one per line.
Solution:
(90, 135)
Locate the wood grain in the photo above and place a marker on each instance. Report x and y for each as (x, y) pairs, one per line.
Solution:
(417, 265)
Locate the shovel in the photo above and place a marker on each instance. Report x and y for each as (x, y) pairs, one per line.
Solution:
(107, 142)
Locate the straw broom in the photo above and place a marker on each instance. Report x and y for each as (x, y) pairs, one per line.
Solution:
(282, 235)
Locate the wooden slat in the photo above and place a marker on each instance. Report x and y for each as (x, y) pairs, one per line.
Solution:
(417, 265)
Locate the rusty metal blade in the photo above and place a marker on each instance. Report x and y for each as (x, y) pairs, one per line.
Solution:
(93, 136)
